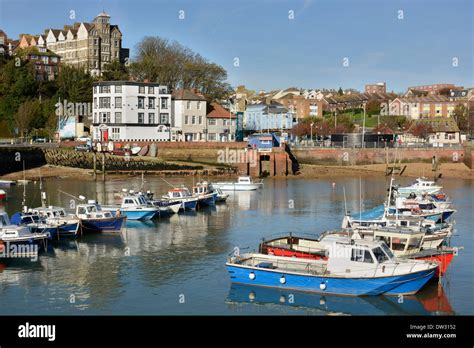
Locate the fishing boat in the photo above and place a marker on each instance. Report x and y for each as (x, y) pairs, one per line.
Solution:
(93, 218)
(183, 196)
(61, 224)
(403, 243)
(166, 206)
(353, 267)
(20, 235)
(221, 196)
(424, 208)
(7, 183)
(243, 183)
(3, 195)
(134, 207)
(421, 185)
(38, 224)
(205, 195)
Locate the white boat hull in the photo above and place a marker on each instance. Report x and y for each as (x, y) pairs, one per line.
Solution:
(237, 187)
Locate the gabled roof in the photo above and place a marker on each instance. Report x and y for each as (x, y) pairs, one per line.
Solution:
(215, 110)
(185, 94)
(438, 124)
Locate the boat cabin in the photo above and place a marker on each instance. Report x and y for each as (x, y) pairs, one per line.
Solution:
(402, 242)
(177, 193)
(91, 210)
(244, 180)
(358, 257)
(201, 188)
(50, 212)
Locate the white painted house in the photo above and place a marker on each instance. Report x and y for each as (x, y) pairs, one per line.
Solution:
(132, 111)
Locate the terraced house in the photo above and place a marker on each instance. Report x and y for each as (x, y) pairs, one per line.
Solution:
(87, 45)
(424, 106)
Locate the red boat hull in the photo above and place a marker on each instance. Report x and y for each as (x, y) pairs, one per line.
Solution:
(443, 259)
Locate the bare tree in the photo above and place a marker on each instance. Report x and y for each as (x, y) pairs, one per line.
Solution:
(25, 114)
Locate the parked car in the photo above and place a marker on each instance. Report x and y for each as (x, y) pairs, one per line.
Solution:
(83, 139)
(40, 139)
(83, 147)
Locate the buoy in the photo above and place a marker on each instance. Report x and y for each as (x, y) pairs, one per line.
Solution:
(282, 280)
(252, 276)
(322, 286)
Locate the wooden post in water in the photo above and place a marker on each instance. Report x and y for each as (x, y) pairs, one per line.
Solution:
(95, 164)
(103, 166)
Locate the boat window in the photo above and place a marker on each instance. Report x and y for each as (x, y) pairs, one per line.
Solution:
(176, 194)
(128, 201)
(387, 250)
(81, 210)
(413, 223)
(3, 220)
(361, 255)
(398, 244)
(403, 223)
(379, 254)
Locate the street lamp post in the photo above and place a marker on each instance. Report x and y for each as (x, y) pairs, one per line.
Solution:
(363, 128)
(312, 124)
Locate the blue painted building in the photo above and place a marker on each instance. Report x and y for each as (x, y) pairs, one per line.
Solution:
(268, 117)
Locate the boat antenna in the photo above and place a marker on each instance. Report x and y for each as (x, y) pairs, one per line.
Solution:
(345, 203)
(23, 202)
(360, 200)
(42, 194)
(388, 198)
(80, 198)
(173, 186)
(143, 181)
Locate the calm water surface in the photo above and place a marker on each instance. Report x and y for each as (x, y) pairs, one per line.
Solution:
(176, 265)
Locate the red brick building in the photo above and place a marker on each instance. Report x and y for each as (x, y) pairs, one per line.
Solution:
(434, 88)
(380, 87)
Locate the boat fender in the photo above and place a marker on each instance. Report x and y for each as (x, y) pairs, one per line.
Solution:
(282, 299)
(322, 286)
(282, 280)
(252, 276)
(252, 296)
(383, 269)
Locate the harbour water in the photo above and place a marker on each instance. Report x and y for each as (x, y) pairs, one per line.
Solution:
(175, 266)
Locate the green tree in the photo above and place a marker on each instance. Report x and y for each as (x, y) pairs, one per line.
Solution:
(115, 71)
(74, 84)
(17, 84)
(340, 91)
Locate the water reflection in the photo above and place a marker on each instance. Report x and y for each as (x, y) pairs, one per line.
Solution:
(432, 300)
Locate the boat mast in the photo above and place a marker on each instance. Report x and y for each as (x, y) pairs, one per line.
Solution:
(23, 202)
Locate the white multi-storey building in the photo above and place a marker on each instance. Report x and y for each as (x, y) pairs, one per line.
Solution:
(132, 111)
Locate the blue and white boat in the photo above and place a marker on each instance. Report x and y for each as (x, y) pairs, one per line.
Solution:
(166, 206)
(14, 235)
(60, 224)
(94, 219)
(420, 186)
(353, 267)
(204, 193)
(134, 207)
(183, 196)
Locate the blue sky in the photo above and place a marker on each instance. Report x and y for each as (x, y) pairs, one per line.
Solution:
(277, 52)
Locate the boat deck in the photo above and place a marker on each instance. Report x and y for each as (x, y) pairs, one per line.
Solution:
(288, 264)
